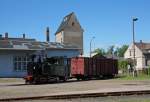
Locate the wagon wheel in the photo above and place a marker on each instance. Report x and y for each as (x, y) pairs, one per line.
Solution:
(57, 79)
(27, 82)
(78, 78)
(36, 81)
(64, 79)
(85, 78)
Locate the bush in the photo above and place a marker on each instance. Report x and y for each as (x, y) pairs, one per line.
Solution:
(123, 65)
(148, 70)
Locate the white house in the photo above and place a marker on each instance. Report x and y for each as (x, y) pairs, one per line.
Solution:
(142, 54)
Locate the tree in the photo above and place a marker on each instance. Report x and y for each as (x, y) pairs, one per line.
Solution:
(116, 51)
(148, 70)
(100, 51)
(111, 50)
(120, 51)
(123, 65)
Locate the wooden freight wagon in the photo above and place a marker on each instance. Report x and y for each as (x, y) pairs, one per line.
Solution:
(84, 67)
(79, 67)
(105, 67)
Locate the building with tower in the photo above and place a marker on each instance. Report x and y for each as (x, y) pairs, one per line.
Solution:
(70, 32)
(15, 52)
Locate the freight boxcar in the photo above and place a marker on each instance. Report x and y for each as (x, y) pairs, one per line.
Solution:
(80, 67)
(105, 67)
(84, 67)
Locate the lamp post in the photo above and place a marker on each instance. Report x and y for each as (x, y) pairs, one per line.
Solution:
(91, 45)
(134, 69)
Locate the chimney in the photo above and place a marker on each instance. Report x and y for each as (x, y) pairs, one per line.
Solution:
(24, 36)
(1, 36)
(6, 35)
(141, 44)
(47, 34)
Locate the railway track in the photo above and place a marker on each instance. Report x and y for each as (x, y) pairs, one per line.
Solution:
(85, 95)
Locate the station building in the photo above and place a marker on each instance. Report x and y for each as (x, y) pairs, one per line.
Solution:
(15, 52)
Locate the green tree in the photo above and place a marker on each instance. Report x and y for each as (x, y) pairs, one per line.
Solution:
(123, 65)
(110, 50)
(148, 70)
(120, 51)
(100, 51)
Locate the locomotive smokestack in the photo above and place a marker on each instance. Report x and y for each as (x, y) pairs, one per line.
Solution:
(24, 36)
(47, 34)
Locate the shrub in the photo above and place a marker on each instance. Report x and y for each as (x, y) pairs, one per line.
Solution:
(123, 65)
(148, 70)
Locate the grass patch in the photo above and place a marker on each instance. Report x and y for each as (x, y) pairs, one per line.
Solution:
(5, 80)
(130, 77)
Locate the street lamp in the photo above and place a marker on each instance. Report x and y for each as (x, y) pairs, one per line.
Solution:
(91, 44)
(134, 69)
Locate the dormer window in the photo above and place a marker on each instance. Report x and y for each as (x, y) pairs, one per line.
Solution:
(65, 19)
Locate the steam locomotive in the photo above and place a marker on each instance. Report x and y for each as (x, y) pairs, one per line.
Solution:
(48, 70)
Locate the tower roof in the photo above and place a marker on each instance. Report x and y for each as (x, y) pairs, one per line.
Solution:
(65, 22)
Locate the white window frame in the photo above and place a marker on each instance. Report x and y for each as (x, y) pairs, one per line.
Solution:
(20, 63)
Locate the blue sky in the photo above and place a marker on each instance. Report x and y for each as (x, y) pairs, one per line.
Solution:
(108, 20)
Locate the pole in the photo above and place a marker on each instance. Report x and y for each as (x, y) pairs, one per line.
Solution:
(91, 45)
(133, 44)
(90, 48)
(134, 61)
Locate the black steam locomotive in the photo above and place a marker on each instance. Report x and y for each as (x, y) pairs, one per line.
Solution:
(48, 70)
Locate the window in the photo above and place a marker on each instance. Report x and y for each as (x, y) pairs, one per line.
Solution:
(130, 53)
(61, 40)
(20, 63)
(72, 23)
(136, 62)
(147, 62)
(65, 19)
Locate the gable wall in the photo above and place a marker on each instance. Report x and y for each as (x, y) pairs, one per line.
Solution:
(74, 38)
(58, 37)
(138, 56)
(76, 25)
(72, 34)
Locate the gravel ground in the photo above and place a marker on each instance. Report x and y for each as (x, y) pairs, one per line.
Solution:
(17, 88)
(133, 98)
